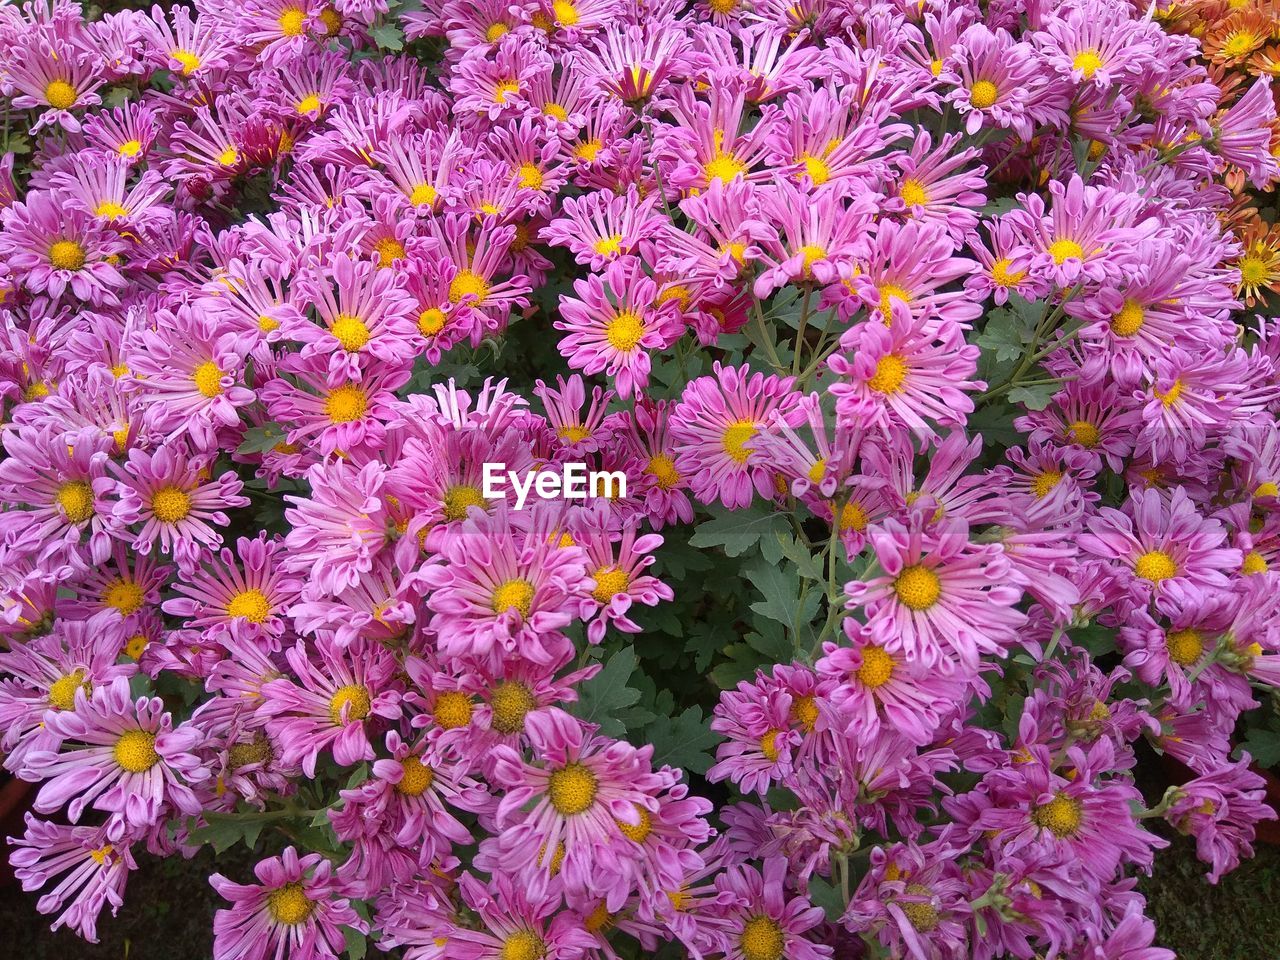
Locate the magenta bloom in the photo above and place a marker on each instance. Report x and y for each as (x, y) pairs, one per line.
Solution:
(294, 910)
(1221, 810)
(53, 248)
(713, 426)
(118, 755)
(613, 323)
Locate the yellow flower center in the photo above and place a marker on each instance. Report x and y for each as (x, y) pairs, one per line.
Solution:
(431, 321)
(496, 32)
(572, 789)
(1061, 816)
(515, 595)
(257, 750)
(625, 331)
(123, 595)
(509, 704)
(1044, 482)
(819, 170)
(458, 499)
(229, 157)
(609, 581)
(923, 916)
(891, 371)
(1172, 395)
(1063, 250)
(877, 667)
(1267, 488)
(918, 587)
(1129, 320)
(110, 210)
(423, 195)
(308, 104)
(853, 516)
(130, 148)
(417, 778)
(588, 150)
(769, 745)
(530, 176)
(252, 604)
(556, 112)
(1254, 562)
(1001, 276)
(135, 751)
(761, 939)
(913, 193)
(135, 646)
(60, 95)
(735, 438)
(723, 166)
(292, 21)
(663, 469)
(1155, 565)
(1087, 62)
(289, 905)
(983, 94)
(1241, 43)
(453, 709)
(75, 497)
(639, 831)
(346, 403)
(208, 379)
(170, 504)
(66, 255)
(388, 249)
(468, 283)
(608, 246)
(1084, 433)
(804, 711)
(62, 693)
(888, 292)
(190, 62)
(1185, 646)
(523, 945)
(352, 697)
(351, 332)
(1253, 271)
(812, 253)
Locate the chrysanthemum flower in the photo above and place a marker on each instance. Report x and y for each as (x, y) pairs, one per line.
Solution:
(118, 755)
(335, 696)
(52, 248)
(600, 227)
(817, 236)
(634, 63)
(53, 76)
(496, 590)
(616, 568)
(168, 492)
(614, 321)
(588, 795)
(245, 592)
(713, 426)
(941, 597)
(766, 922)
(294, 910)
(91, 869)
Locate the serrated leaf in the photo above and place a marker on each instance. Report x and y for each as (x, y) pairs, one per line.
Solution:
(785, 600)
(826, 895)
(357, 943)
(602, 698)
(1263, 745)
(737, 531)
(741, 663)
(388, 36)
(808, 564)
(261, 439)
(1036, 396)
(685, 741)
(1005, 335)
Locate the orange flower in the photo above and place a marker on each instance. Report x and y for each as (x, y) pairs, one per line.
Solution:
(1259, 263)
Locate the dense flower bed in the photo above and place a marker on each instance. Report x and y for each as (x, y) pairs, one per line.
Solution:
(916, 330)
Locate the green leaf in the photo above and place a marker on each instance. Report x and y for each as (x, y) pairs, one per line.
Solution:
(1263, 745)
(685, 741)
(605, 695)
(357, 944)
(1035, 396)
(1005, 335)
(737, 531)
(261, 439)
(785, 601)
(388, 36)
(826, 895)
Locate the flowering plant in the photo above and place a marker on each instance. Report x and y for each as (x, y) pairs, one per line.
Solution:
(948, 470)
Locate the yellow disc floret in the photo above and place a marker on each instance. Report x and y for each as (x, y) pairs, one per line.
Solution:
(135, 751)
(75, 497)
(1155, 566)
(170, 504)
(572, 790)
(353, 698)
(515, 594)
(917, 587)
(252, 604)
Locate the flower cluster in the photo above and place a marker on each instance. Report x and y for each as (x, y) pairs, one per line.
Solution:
(924, 313)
